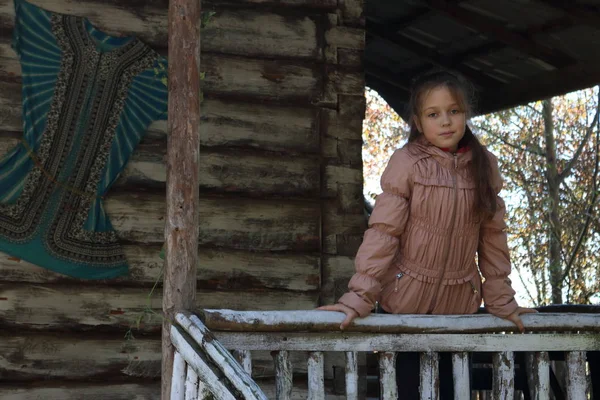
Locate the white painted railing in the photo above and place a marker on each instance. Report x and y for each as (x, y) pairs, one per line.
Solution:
(203, 364)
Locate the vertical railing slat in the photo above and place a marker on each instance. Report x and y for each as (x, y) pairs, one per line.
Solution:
(387, 373)
(283, 375)
(460, 376)
(203, 392)
(576, 376)
(537, 365)
(178, 377)
(244, 357)
(191, 384)
(316, 378)
(430, 377)
(351, 375)
(504, 376)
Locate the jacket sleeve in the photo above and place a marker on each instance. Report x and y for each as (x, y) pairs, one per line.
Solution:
(381, 239)
(493, 255)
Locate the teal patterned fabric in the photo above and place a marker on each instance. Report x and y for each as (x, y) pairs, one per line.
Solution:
(87, 100)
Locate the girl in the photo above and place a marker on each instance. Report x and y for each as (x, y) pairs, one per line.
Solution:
(439, 207)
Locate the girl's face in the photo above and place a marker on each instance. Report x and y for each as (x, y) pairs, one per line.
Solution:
(442, 121)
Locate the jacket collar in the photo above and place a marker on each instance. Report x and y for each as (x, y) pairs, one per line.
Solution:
(445, 158)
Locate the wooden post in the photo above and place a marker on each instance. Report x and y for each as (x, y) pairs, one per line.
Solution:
(537, 365)
(503, 383)
(387, 375)
(316, 379)
(460, 375)
(351, 375)
(576, 378)
(284, 378)
(183, 148)
(429, 387)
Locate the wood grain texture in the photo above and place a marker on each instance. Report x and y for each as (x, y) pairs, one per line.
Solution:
(240, 77)
(230, 124)
(145, 391)
(388, 386)
(233, 371)
(117, 309)
(350, 341)
(245, 31)
(79, 359)
(57, 356)
(283, 375)
(325, 321)
(576, 375)
(87, 391)
(538, 374)
(222, 172)
(182, 180)
(239, 223)
(316, 381)
(218, 269)
(429, 376)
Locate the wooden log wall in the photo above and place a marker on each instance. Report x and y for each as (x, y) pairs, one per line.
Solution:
(281, 206)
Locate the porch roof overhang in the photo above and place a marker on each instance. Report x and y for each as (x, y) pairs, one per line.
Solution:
(514, 51)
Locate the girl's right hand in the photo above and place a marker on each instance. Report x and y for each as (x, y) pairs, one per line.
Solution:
(350, 313)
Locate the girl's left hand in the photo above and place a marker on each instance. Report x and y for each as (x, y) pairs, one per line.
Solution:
(516, 319)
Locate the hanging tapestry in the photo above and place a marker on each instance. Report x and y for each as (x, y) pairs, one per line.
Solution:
(88, 98)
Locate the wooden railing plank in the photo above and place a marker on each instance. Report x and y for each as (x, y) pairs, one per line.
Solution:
(429, 376)
(178, 378)
(283, 375)
(387, 374)
(351, 375)
(576, 378)
(503, 383)
(220, 356)
(348, 341)
(326, 321)
(192, 354)
(316, 379)
(244, 357)
(191, 384)
(537, 365)
(203, 392)
(461, 376)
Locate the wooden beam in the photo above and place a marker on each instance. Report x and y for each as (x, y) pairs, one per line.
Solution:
(375, 71)
(482, 50)
(540, 86)
(408, 20)
(578, 13)
(497, 31)
(326, 321)
(394, 342)
(401, 42)
(183, 148)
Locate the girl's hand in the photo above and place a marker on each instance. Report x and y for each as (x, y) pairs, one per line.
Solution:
(516, 319)
(350, 313)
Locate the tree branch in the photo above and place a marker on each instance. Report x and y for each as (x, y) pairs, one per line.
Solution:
(567, 170)
(535, 151)
(533, 109)
(516, 265)
(593, 200)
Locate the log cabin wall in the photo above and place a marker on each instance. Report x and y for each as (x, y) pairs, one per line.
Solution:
(281, 206)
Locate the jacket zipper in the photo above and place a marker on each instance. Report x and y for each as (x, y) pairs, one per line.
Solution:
(447, 249)
(475, 291)
(398, 276)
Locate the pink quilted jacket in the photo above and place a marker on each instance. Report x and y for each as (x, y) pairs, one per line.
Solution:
(419, 254)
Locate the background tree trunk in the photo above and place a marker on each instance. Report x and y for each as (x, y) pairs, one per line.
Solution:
(553, 179)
